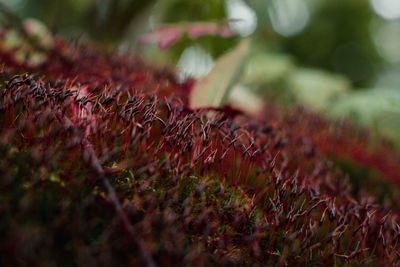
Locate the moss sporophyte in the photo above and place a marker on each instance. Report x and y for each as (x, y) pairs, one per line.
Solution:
(103, 162)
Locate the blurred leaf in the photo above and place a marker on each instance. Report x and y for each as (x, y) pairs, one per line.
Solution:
(11, 40)
(38, 32)
(316, 88)
(167, 34)
(212, 89)
(265, 68)
(28, 46)
(241, 96)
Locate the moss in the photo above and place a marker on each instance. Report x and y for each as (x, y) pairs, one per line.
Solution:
(105, 175)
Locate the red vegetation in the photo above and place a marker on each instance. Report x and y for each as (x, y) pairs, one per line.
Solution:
(342, 140)
(103, 163)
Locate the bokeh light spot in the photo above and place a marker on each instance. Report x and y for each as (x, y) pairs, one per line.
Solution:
(387, 9)
(245, 19)
(288, 17)
(194, 62)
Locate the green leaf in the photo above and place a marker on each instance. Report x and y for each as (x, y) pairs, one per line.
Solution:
(315, 88)
(213, 89)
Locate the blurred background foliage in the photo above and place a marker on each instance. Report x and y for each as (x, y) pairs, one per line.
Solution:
(337, 57)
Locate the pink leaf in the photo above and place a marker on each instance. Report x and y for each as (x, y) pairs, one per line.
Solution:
(199, 29)
(167, 34)
(196, 30)
(168, 37)
(164, 35)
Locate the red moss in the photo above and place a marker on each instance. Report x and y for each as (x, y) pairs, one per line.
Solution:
(103, 163)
